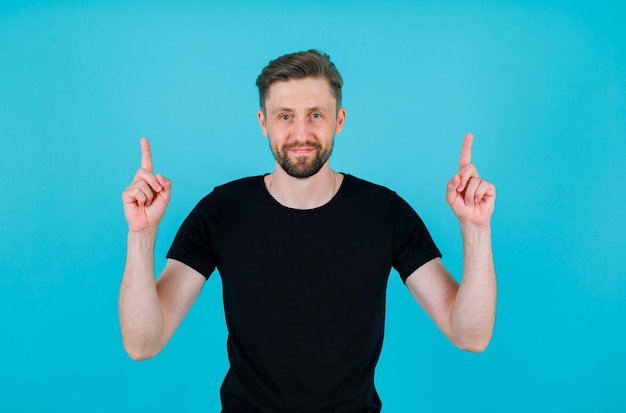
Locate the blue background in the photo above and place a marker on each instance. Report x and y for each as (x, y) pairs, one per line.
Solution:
(542, 85)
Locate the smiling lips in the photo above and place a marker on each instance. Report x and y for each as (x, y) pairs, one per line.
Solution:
(302, 148)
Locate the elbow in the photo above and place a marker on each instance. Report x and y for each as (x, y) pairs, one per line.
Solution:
(140, 353)
(477, 347)
(475, 344)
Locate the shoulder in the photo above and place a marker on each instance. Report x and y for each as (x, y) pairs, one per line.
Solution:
(240, 188)
(239, 191)
(373, 196)
(359, 184)
(361, 188)
(238, 185)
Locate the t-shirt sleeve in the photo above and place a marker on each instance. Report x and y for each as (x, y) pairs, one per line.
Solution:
(413, 244)
(193, 244)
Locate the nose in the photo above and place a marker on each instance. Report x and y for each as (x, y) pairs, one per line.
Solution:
(301, 130)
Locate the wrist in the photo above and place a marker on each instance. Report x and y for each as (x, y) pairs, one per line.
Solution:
(473, 227)
(145, 237)
(474, 232)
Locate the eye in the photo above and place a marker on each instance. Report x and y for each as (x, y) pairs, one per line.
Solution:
(316, 115)
(284, 117)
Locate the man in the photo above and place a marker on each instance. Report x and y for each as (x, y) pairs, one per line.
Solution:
(304, 254)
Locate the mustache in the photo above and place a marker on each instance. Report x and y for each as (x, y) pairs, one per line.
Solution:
(305, 144)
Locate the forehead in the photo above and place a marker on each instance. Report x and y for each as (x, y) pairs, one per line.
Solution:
(300, 92)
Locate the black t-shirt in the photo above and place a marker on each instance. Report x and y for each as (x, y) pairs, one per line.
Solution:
(304, 290)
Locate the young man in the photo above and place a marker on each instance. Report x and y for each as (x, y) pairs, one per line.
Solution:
(304, 254)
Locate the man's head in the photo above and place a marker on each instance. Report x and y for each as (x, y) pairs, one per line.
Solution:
(300, 65)
(301, 111)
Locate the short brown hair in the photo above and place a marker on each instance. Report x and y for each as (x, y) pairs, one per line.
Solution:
(300, 65)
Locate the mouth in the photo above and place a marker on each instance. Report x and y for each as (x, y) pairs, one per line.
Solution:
(302, 149)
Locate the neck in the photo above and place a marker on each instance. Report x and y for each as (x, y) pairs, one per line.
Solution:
(303, 193)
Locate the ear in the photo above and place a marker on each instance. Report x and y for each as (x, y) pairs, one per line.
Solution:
(341, 119)
(261, 115)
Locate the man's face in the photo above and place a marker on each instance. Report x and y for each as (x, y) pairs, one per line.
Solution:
(301, 121)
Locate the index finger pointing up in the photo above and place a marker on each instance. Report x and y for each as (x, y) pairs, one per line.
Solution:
(146, 155)
(466, 152)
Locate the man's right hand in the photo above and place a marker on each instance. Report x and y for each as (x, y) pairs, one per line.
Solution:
(146, 198)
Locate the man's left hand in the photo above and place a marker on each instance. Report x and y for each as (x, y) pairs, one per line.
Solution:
(471, 198)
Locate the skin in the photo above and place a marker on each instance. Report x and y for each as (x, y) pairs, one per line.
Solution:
(150, 312)
(465, 313)
(301, 120)
(297, 112)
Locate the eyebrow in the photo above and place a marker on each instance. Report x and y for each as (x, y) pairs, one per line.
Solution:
(311, 109)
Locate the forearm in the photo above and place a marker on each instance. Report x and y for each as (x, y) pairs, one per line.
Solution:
(473, 311)
(140, 313)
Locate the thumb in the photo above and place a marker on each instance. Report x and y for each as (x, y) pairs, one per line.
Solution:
(452, 189)
(166, 186)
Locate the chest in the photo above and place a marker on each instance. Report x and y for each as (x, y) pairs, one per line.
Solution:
(325, 265)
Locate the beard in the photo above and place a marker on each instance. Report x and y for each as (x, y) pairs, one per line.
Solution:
(301, 166)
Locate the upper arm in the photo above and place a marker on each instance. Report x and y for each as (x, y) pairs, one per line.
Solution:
(178, 287)
(432, 286)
